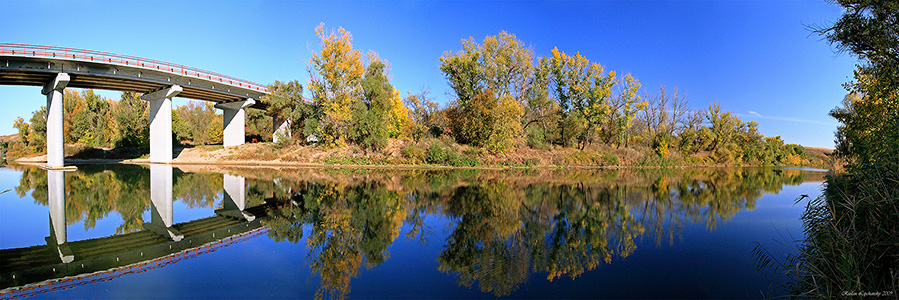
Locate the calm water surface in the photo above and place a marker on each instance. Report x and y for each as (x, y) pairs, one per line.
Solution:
(161, 232)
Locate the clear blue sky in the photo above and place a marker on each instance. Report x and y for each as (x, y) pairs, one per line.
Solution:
(755, 57)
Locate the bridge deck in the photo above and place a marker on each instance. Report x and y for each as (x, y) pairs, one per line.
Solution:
(37, 263)
(34, 65)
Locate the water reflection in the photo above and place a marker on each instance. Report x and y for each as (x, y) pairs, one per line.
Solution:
(57, 198)
(506, 226)
(235, 198)
(161, 202)
(90, 194)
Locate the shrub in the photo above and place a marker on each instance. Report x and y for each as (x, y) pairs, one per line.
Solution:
(413, 152)
(442, 155)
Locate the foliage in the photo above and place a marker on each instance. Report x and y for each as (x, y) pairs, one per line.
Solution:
(579, 87)
(481, 76)
(132, 119)
(630, 103)
(286, 103)
(86, 118)
(379, 114)
(852, 240)
(506, 134)
(197, 123)
(259, 126)
(334, 75)
(442, 155)
(424, 115)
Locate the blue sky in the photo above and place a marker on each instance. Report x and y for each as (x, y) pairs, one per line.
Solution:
(754, 57)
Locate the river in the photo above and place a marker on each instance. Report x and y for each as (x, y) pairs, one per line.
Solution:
(129, 231)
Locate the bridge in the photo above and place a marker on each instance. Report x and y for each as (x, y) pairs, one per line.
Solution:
(56, 68)
(62, 263)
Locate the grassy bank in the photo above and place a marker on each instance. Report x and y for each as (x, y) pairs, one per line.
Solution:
(437, 152)
(445, 152)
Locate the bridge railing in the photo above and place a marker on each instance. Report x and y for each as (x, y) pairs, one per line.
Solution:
(127, 60)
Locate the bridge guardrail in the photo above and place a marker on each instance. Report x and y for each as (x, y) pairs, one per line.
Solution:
(127, 60)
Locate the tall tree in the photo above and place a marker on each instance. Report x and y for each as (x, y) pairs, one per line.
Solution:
(579, 87)
(870, 117)
(334, 75)
(131, 117)
(286, 102)
(370, 117)
(482, 74)
(631, 103)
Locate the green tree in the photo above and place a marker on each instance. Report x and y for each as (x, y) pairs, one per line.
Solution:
(286, 102)
(870, 116)
(482, 74)
(132, 121)
(194, 123)
(579, 87)
(371, 116)
(37, 132)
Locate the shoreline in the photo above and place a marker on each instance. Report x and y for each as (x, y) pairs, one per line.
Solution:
(263, 156)
(302, 165)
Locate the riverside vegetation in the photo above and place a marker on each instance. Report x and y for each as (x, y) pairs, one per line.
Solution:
(851, 246)
(510, 108)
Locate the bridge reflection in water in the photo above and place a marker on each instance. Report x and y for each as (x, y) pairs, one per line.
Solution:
(62, 264)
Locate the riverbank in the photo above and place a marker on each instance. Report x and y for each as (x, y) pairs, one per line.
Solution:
(400, 154)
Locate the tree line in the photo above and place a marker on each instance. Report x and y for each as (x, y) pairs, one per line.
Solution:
(505, 99)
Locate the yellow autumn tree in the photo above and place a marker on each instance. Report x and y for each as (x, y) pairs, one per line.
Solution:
(630, 103)
(334, 75)
(399, 122)
(582, 90)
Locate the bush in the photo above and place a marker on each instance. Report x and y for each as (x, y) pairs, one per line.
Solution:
(589, 157)
(471, 157)
(536, 138)
(440, 154)
(413, 152)
(660, 144)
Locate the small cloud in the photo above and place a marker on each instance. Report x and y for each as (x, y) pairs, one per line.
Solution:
(760, 116)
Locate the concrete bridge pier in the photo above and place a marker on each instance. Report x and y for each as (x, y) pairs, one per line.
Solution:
(161, 123)
(56, 194)
(235, 199)
(280, 129)
(161, 202)
(234, 118)
(55, 138)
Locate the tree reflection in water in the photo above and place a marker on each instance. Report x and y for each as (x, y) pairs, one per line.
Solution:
(93, 192)
(506, 225)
